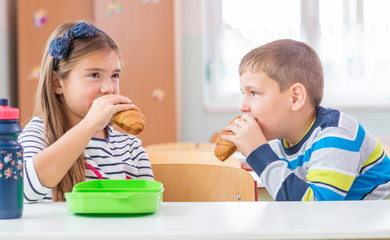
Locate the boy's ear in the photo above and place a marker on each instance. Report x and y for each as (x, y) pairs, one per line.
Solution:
(298, 96)
(55, 81)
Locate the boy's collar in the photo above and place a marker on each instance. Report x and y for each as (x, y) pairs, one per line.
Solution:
(295, 148)
(285, 143)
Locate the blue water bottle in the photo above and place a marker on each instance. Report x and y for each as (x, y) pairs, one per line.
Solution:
(11, 163)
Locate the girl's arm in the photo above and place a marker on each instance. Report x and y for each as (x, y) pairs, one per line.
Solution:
(52, 163)
(32, 139)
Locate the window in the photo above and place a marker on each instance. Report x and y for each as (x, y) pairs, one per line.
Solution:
(350, 36)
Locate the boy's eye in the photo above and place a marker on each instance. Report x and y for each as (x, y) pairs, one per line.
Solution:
(94, 75)
(254, 93)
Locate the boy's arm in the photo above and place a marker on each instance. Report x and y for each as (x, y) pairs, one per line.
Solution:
(280, 181)
(331, 169)
(333, 162)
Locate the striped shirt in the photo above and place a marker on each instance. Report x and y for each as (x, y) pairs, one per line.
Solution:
(337, 159)
(120, 156)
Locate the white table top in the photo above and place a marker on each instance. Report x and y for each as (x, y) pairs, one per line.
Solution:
(209, 220)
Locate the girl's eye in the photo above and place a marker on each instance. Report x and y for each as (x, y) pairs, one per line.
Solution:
(116, 75)
(94, 75)
(254, 93)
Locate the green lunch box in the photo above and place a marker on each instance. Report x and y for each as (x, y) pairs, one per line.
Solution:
(111, 196)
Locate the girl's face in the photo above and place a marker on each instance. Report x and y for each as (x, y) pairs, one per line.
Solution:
(263, 100)
(92, 77)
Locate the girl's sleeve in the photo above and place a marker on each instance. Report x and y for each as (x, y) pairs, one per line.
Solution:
(32, 141)
(141, 159)
(333, 163)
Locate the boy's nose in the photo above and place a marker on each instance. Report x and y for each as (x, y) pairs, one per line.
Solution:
(244, 107)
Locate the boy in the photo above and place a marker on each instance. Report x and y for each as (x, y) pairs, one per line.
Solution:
(313, 153)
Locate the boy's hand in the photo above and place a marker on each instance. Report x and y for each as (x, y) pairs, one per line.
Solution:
(248, 134)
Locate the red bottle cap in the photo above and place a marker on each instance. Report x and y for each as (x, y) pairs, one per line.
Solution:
(6, 112)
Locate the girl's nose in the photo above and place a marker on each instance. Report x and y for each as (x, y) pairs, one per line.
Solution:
(107, 87)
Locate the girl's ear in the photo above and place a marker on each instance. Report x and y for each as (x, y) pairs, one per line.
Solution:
(298, 96)
(55, 81)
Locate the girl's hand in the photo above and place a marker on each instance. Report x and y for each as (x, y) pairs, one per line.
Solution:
(248, 134)
(102, 109)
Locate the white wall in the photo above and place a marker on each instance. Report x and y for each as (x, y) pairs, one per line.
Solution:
(198, 124)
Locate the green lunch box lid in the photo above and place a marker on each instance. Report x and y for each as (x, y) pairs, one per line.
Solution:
(118, 185)
(111, 196)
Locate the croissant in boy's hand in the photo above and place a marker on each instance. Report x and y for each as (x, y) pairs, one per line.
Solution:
(224, 149)
(132, 120)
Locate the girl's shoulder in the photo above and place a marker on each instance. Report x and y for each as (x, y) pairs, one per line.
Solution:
(34, 129)
(115, 136)
(35, 122)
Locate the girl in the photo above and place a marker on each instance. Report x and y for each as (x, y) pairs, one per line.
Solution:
(69, 139)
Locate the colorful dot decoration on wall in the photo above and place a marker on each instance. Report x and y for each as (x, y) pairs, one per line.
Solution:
(158, 95)
(34, 74)
(153, 1)
(113, 7)
(40, 17)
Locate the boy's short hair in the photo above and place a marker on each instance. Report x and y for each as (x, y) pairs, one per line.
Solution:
(288, 61)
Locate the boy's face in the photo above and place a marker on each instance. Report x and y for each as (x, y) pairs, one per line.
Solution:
(92, 77)
(263, 100)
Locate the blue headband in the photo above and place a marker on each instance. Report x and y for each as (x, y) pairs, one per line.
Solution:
(59, 47)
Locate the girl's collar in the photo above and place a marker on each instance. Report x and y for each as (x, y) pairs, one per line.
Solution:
(108, 130)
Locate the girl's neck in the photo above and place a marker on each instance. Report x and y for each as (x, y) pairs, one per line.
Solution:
(102, 134)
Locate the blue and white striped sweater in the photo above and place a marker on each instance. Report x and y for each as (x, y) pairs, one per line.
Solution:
(337, 159)
(120, 156)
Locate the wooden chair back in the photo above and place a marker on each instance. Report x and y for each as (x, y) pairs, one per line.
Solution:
(194, 157)
(180, 146)
(204, 183)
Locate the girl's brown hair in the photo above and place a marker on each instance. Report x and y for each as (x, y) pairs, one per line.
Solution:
(287, 62)
(50, 107)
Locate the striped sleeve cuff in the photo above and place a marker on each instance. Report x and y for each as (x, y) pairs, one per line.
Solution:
(33, 189)
(261, 157)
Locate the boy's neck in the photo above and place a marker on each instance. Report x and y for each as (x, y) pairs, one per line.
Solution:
(301, 125)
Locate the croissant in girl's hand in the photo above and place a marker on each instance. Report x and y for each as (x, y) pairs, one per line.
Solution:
(224, 149)
(132, 120)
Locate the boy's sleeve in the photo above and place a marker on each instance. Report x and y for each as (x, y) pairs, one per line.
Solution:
(32, 141)
(281, 183)
(333, 163)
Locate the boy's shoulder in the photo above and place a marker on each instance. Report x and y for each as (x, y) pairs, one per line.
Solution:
(329, 117)
(332, 122)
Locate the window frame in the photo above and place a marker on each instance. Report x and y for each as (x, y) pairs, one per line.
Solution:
(310, 32)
